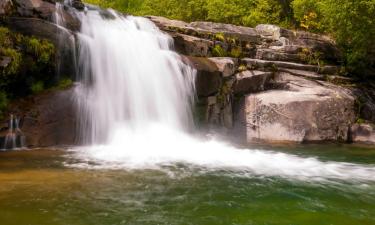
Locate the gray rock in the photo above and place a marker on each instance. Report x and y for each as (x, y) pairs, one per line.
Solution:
(363, 133)
(227, 66)
(193, 46)
(274, 65)
(241, 33)
(303, 111)
(35, 8)
(251, 81)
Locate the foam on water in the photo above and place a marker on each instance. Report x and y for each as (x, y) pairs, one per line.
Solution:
(158, 146)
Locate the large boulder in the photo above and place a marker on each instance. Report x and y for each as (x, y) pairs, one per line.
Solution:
(302, 111)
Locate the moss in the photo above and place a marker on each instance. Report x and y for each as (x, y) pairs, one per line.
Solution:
(236, 52)
(37, 87)
(242, 68)
(16, 58)
(219, 37)
(43, 50)
(65, 83)
(218, 51)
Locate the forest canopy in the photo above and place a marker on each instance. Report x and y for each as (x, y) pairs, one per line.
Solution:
(350, 22)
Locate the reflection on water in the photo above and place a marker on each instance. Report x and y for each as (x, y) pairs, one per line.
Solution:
(36, 188)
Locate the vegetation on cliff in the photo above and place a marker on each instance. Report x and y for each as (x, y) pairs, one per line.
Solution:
(350, 22)
(27, 65)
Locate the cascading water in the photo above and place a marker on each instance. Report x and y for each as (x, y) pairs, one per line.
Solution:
(130, 78)
(134, 103)
(14, 138)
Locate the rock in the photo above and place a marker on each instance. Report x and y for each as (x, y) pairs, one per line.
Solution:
(209, 78)
(238, 32)
(48, 119)
(5, 7)
(227, 66)
(78, 4)
(35, 8)
(251, 81)
(39, 28)
(192, 46)
(274, 65)
(272, 31)
(167, 24)
(272, 55)
(317, 43)
(363, 133)
(4, 61)
(303, 111)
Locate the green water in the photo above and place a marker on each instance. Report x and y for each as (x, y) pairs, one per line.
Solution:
(37, 188)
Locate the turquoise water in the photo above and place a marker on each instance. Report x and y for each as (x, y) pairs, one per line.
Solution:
(41, 187)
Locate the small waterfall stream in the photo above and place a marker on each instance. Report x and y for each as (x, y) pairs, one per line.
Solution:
(14, 138)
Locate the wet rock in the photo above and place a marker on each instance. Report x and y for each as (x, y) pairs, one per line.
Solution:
(78, 4)
(209, 78)
(49, 119)
(302, 111)
(363, 133)
(251, 81)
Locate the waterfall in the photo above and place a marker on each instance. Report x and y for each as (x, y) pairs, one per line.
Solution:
(130, 78)
(14, 138)
(134, 101)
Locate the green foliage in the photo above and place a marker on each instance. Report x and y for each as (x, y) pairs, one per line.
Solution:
(65, 83)
(43, 50)
(218, 51)
(16, 59)
(37, 87)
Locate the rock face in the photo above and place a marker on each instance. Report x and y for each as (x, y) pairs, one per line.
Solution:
(304, 111)
(47, 119)
(269, 84)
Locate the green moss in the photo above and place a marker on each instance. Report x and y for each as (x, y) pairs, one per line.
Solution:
(43, 50)
(219, 37)
(3, 103)
(37, 87)
(236, 52)
(218, 51)
(65, 83)
(16, 58)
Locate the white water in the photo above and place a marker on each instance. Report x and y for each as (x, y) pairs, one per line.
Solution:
(135, 99)
(14, 138)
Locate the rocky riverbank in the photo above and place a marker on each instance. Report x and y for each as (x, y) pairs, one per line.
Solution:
(262, 84)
